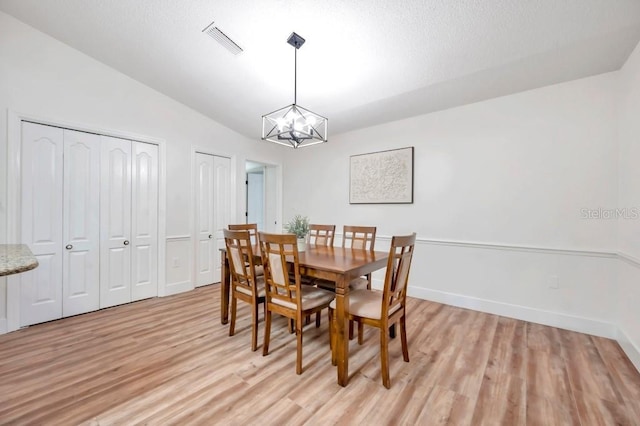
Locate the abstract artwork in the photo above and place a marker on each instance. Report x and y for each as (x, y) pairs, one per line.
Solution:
(384, 177)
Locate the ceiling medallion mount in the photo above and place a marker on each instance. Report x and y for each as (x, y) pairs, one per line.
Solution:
(293, 125)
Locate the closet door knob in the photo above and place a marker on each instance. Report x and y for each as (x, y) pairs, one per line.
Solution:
(210, 235)
(68, 246)
(126, 242)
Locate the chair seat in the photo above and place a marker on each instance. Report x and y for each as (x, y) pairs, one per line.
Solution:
(366, 304)
(312, 297)
(260, 284)
(359, 284)
(259, 270)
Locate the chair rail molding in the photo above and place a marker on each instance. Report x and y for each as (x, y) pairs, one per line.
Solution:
(511, 247)
(627, 258)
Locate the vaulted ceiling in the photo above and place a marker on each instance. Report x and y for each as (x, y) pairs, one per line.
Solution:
(364, 61)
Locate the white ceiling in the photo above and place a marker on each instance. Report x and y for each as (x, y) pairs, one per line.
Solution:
(364, 62)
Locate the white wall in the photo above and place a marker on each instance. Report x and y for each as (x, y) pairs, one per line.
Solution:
(499, 190)
(628, 311)
(42, 77)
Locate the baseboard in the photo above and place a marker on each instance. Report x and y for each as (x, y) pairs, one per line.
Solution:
(538, 316)
(178, 287)
(3, 326)
(629, 347)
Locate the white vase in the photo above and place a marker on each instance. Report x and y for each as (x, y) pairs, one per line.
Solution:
(302, 244)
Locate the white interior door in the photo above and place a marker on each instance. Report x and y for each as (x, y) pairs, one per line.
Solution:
(115, 218)
(222, 205)
(205, 226)
(144, 221)
(41, 222)
(81, 223)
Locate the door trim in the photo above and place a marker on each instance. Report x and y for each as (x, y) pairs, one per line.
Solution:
(14, 145)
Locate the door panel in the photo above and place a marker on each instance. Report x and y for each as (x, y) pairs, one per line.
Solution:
(205, 227)
(41, 219)
(81, 223)
(144, 221)
(115, 218)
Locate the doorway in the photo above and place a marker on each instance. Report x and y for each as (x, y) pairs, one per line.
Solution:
(262, 195)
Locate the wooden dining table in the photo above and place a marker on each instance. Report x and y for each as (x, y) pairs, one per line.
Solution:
(337, 264)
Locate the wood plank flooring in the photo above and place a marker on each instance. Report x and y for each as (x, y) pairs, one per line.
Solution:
(170, 361)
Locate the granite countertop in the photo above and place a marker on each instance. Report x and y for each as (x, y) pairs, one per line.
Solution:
(16, 258)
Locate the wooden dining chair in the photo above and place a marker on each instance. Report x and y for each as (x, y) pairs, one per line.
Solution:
(321, 235)
(356, 238)
(380, 309)
(246, 285)
(361, 238)
(252, 228)
(284, 297)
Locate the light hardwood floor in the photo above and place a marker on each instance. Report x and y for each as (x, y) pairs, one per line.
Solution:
(170, 361)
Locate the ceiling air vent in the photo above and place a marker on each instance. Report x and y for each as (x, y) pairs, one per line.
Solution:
(216, 34)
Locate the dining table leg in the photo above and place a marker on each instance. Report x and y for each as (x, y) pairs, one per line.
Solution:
(342, 327)
(225, 286)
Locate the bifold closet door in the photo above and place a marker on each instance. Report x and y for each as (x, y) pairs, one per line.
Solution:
(212, 207)
(205, 226)
(41, 222)
(115, 218)
(129, 217)
(60, 222)
(81, 223)
(144, 221)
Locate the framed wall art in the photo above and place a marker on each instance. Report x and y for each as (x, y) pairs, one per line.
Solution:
(384, 177)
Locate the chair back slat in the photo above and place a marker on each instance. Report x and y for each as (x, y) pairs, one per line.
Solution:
(240, 255)
(359, 237)
(276, 249)
(321, 235)
(397, 275)
(252, 228)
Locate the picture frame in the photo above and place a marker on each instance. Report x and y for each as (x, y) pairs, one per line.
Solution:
(383, 177)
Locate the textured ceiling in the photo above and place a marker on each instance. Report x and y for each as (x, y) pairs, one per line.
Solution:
(364, 62)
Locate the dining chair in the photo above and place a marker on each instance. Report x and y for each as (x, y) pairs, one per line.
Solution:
(252, 228)
(284, 297)
(362, 238)
(356, 238)
(246, 285)
(321, 235)
(380, 309)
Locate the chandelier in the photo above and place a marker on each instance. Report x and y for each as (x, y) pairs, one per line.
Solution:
(293, 125)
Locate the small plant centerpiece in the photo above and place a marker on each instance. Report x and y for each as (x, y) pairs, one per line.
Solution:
(299, 225)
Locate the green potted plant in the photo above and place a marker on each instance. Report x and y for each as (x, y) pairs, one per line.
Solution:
(299, 225)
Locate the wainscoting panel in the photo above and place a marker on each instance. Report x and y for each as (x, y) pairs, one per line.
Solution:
(179, 264)
(627, 310)
(565, 288)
